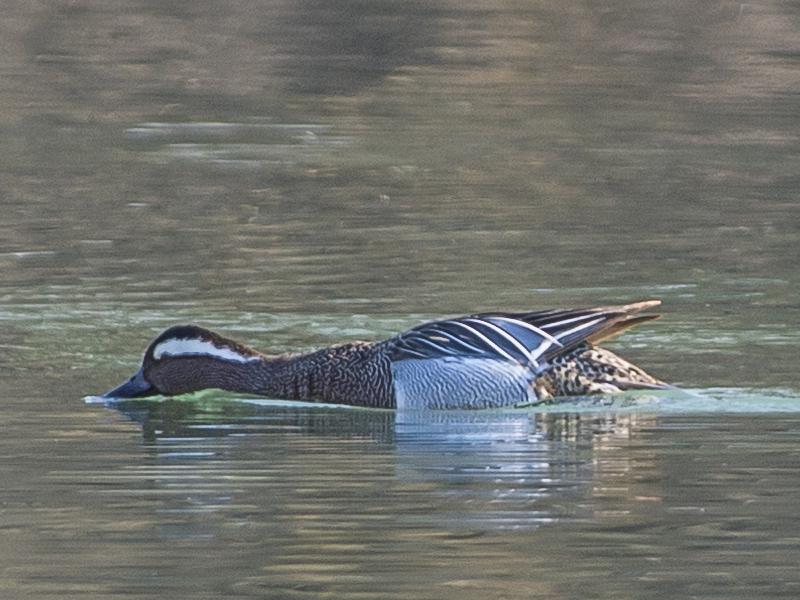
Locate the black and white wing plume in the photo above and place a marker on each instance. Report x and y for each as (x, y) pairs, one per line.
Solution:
(529, 339)
(573, 327)
(496, 337)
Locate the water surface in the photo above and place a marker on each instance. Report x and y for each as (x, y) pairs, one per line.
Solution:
(300, 173)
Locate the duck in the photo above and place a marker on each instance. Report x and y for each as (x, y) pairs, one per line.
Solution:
(480, 361)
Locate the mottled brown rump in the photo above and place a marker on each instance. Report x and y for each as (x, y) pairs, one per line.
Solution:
(589, 370)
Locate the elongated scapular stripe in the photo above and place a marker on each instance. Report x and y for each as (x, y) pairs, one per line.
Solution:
(581, 327)
(193, 347)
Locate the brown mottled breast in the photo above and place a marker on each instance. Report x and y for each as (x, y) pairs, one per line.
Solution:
(356, 374)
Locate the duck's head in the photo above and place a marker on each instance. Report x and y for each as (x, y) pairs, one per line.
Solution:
(184, 359)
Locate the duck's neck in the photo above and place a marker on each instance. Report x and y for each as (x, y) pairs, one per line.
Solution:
(353, 374)
(349, 374)
(289, 377)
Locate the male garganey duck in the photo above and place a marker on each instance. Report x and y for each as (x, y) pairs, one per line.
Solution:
(480, 361)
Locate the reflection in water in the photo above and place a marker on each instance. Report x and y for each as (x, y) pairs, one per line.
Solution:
(363, 506)
(481, 470)
(214, 418)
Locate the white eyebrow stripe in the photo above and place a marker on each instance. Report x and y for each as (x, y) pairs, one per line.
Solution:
(194, 347)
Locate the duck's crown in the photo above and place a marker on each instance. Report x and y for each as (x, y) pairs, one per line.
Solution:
(193, 341)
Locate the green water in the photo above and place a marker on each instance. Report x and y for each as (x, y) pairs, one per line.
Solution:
(302, 173)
